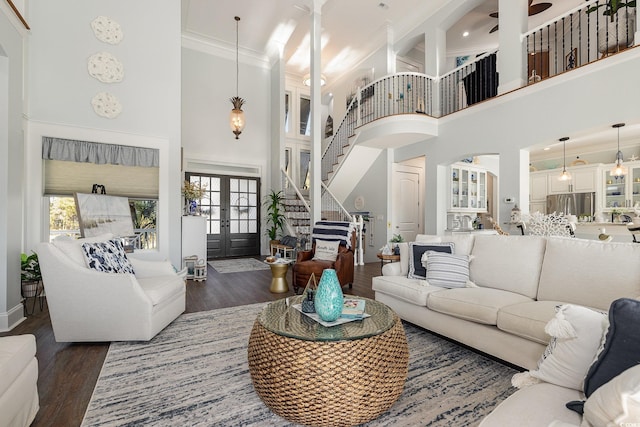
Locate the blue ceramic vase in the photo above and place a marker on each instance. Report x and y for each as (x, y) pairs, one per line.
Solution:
(329, 300)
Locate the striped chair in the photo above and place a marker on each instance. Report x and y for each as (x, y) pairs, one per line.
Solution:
(332, 231)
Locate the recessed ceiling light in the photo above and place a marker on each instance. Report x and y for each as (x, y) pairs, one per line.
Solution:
(547, 148)
(465, 34)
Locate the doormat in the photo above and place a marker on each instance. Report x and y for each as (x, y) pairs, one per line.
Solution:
(238, 265)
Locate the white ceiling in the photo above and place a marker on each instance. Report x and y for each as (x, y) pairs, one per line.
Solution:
(351, 29)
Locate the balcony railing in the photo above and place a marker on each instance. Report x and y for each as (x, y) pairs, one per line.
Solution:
(469, 83)
(578, 37)
(403, 93)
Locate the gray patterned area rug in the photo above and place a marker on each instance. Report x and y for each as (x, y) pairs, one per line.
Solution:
(195, 373)
(238, 265)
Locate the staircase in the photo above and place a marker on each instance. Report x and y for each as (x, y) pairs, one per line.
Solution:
(298, 218)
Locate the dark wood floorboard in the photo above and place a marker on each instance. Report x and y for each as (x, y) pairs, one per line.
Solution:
(68, 371)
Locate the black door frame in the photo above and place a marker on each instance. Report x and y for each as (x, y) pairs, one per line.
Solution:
(224, 243)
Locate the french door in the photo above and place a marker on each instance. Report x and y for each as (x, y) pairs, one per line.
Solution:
(232, 208)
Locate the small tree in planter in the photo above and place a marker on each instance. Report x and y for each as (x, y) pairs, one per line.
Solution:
(275, 214)
(30, 274)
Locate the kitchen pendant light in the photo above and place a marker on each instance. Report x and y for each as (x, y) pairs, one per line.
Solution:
(564, 176)
(236, 119)
(618, 169)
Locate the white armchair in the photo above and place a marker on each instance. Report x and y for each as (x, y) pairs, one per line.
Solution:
(88, 305)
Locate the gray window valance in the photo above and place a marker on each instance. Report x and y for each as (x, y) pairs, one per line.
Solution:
(98, 153)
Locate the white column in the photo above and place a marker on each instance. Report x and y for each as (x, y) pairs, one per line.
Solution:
(513, 182)
(316, 112)
(435, 60)
(512, 19)
(436, 191)
(391, 54)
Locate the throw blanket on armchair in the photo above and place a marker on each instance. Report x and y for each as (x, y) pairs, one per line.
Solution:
(333, 230)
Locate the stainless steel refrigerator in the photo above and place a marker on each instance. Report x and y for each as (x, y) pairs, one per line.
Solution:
(572, 204)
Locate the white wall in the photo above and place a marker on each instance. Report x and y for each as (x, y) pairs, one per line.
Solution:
(11, 170)
(208, 82)
(60, 92)
(374, 187)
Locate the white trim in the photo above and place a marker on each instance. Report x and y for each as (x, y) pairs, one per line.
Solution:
(220, 49)
(11, 318)
(222, 168)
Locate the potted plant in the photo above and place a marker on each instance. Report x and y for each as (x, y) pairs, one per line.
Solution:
(397, 238)
(618, 34)
(275, 214)
(30, 275)
(191, 191)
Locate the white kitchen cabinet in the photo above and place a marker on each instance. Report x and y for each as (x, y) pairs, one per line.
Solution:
(621, 192)
(467, 189)
(584, 179)
(538, 187)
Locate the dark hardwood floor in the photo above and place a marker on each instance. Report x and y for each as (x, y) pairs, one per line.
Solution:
(68, 371)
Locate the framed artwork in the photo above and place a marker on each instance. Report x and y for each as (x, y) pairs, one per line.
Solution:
(100, 213)
(571, 59)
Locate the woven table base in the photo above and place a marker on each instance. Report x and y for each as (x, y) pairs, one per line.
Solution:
(329, 383)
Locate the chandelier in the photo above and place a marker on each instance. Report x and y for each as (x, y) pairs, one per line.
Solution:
(236, 119)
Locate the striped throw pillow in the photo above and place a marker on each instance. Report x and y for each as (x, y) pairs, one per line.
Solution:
(447, 270)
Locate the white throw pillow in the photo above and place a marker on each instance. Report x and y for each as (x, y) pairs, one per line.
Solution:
(576, 333)
(326, 250)
(616, 403)
(446, 270)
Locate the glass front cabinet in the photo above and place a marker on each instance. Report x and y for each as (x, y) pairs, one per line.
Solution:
(622, 191)
(468, 189)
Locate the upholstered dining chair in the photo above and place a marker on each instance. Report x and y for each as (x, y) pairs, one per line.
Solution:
(332, 247)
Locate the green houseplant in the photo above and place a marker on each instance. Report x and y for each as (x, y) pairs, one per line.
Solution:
(30, 275)
(275, 213)
(611, 7)
(618, 33)
(395, 239)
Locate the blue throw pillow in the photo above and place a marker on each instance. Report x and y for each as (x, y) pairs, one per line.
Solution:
(620, 350)
(416, 269)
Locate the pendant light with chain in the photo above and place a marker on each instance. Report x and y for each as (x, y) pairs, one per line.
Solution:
(564, 176)
(618, 169)
(236, 119)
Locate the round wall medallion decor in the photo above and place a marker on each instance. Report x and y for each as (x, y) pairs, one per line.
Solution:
(106, 105)
(105, 67)
(106, 30)
(358, 203)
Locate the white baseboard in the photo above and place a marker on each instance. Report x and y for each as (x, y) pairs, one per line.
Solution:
(12, 318)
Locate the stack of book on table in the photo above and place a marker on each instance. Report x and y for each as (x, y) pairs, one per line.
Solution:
(353, 308)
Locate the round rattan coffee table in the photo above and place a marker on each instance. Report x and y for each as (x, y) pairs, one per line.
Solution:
(314, 375)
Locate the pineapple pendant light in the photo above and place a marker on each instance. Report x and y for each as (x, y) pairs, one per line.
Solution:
(236, 119)
(618, 169)
(564, 176)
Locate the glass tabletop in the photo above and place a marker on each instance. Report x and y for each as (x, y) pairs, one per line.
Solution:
(280, 317)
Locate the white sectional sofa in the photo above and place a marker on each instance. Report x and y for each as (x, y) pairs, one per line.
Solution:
(90, 305)
(519, 280)
(18, 381)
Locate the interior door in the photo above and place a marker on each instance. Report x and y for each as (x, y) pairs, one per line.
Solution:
(407, 203)
(232, 207)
